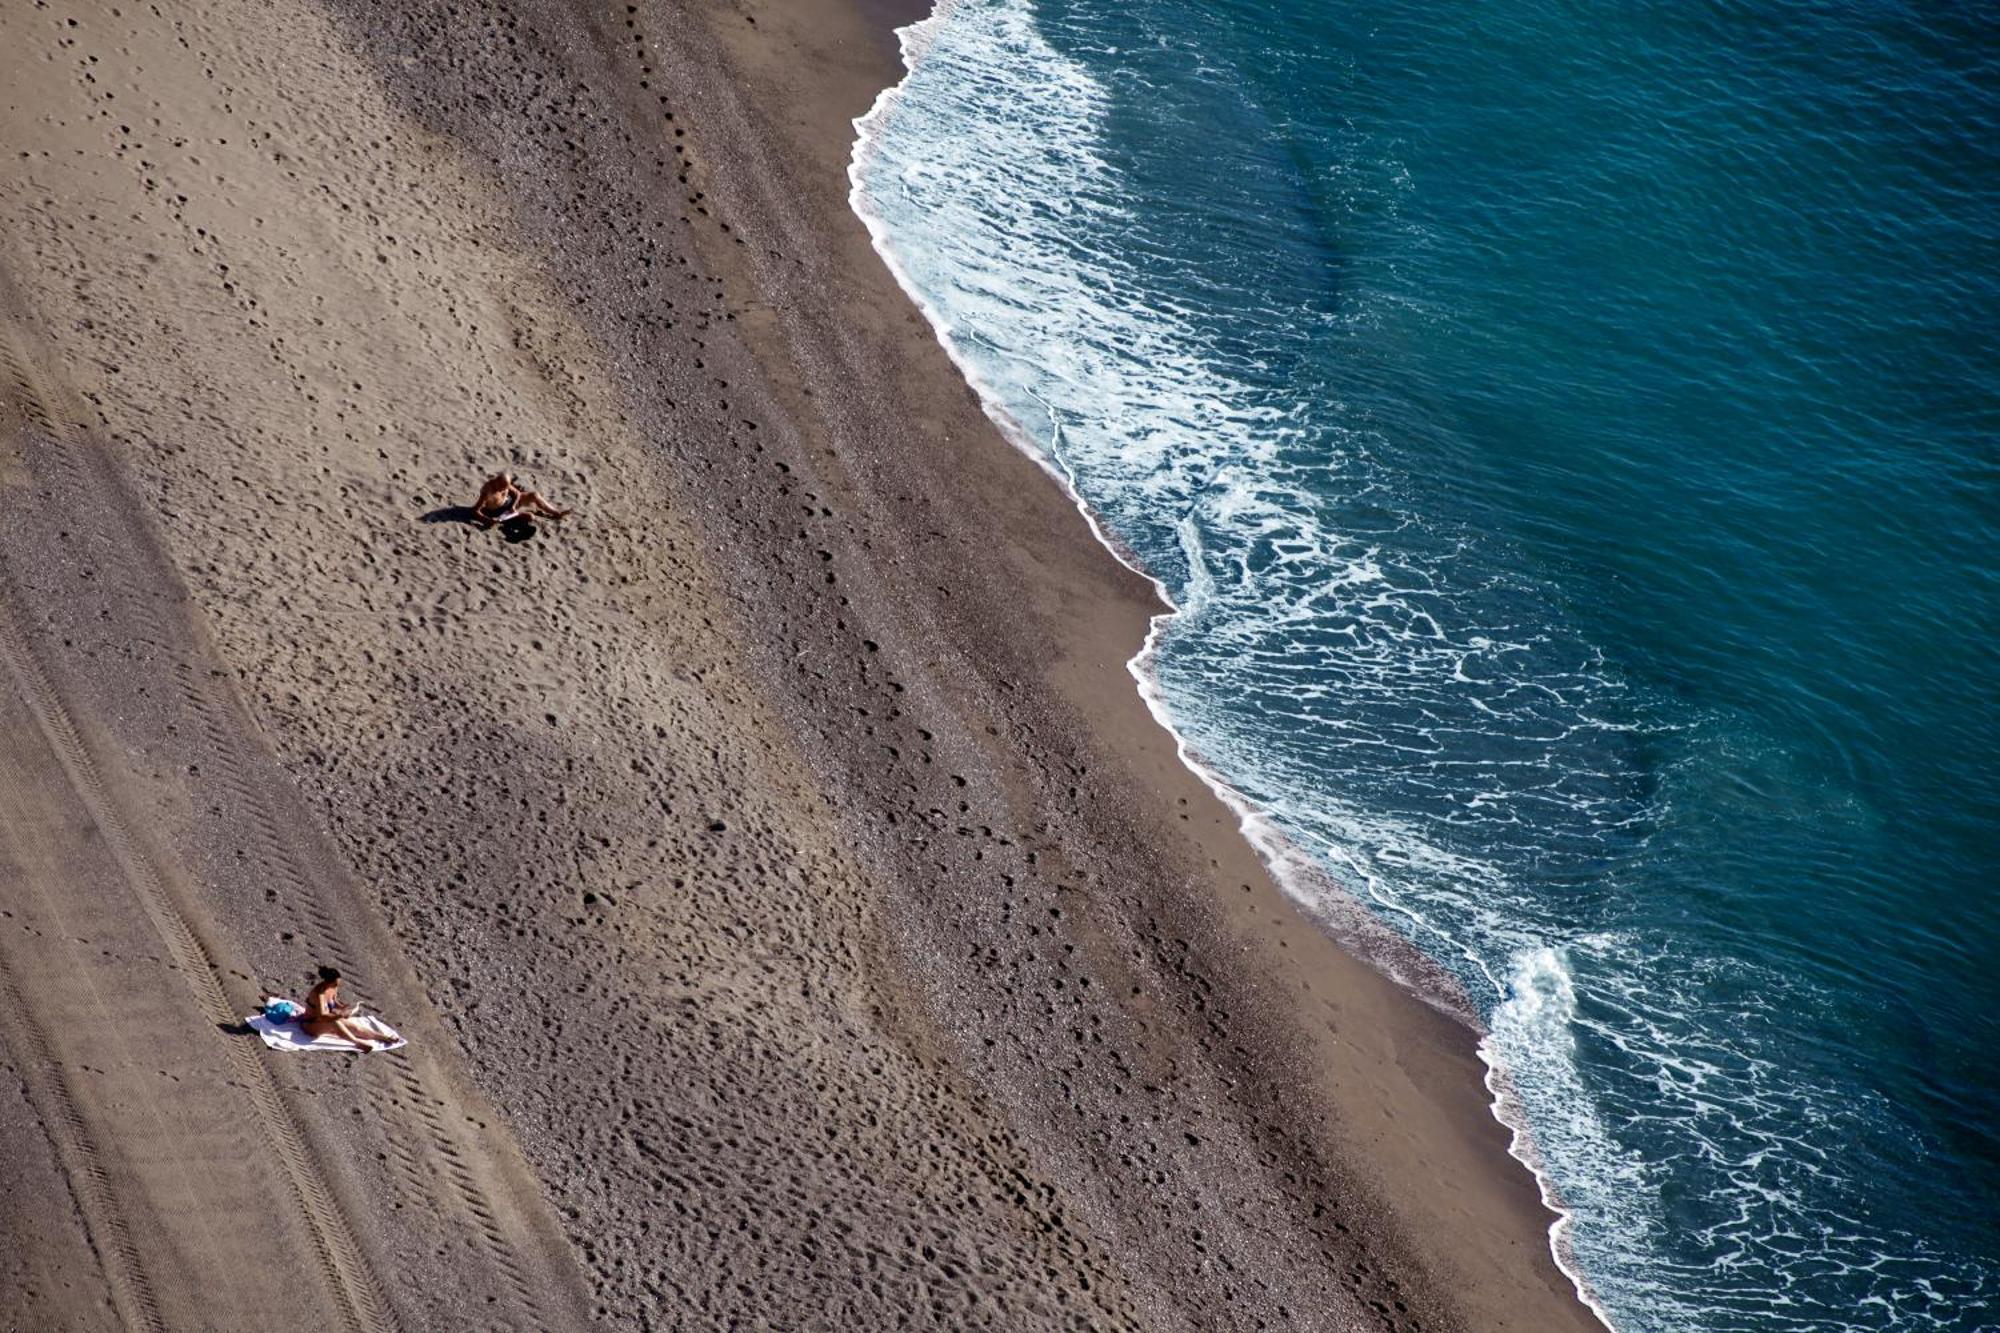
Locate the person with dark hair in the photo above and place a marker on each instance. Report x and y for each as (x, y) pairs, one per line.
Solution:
(325, 1014)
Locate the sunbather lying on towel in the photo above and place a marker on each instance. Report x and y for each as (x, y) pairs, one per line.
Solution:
(325, 1014)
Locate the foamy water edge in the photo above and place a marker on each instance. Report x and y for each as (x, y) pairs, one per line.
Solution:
(1311, 887)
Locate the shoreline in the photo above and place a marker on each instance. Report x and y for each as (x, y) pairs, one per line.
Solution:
(798, 915)
(1354, 927)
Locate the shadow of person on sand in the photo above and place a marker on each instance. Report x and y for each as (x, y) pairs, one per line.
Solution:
(237, 1029)
(520, 528)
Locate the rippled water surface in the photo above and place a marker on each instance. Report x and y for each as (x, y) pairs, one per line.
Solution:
(1569, 439)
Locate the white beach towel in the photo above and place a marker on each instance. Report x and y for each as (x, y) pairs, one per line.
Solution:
(289, 1036)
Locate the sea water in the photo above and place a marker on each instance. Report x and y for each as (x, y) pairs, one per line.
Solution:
(1567, 436)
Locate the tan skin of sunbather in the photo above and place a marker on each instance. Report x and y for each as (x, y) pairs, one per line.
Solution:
(502, 499)
(325, 1015)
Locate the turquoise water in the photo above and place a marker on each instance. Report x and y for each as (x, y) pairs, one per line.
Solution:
(1569, 438)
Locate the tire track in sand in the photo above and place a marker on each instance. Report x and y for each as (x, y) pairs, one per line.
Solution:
(360, 1302)
(425, 1176)
(76, 1152)
(347, 1274)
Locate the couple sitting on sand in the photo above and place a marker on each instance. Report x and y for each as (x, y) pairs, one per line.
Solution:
(502, 500)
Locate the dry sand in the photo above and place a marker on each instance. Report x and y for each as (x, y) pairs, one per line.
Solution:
(798, 919)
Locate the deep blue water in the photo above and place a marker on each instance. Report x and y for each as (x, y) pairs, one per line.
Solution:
(1569, 436)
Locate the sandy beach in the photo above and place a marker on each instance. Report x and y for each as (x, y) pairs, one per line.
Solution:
(798, 918)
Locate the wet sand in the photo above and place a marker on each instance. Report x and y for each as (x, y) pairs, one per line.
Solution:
(798, 918)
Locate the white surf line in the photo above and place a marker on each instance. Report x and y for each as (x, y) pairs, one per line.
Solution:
(1281, 859)
(1508, 1108)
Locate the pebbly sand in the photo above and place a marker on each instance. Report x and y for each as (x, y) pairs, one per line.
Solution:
(798, 920)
